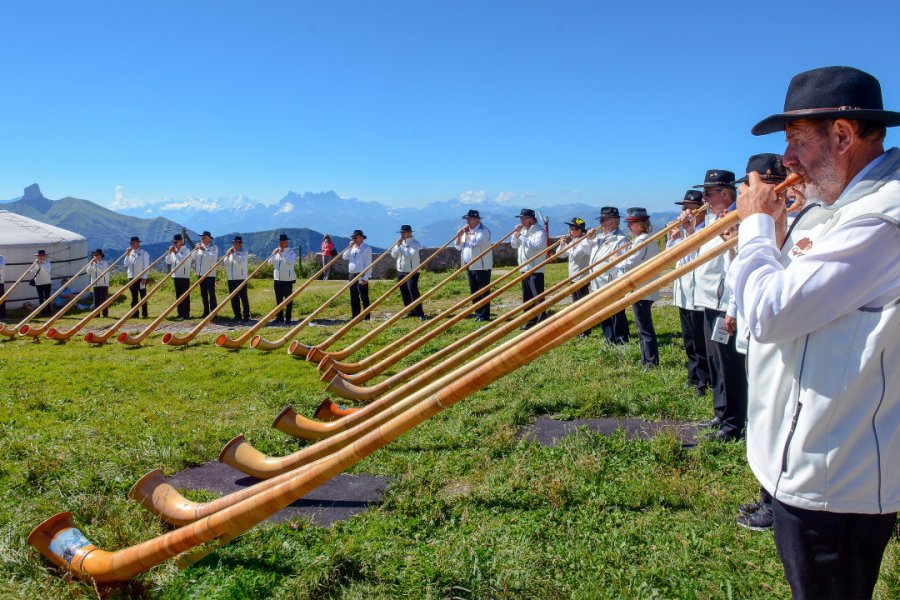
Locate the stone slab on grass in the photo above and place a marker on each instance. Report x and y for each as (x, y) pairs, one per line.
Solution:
(335, 500)
(547, 430)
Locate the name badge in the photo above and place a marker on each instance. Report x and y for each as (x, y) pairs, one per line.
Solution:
(720, 332)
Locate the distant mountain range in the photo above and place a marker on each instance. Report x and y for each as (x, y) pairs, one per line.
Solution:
(433, 224)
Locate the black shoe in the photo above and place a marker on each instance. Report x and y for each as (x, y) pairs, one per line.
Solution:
(714, 422)
(423, 318)
(749, 508)
(481, 320)
(700, 392)
(720, 435)
(761, 520)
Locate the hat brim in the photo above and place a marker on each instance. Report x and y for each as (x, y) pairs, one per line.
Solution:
(703, 186)
(581, 226)
(770, 180)
(779, 122)
(683, 202)
(635, 219)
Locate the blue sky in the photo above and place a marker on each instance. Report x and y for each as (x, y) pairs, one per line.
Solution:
(409, 102)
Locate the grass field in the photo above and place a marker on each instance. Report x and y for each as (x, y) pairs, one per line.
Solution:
(473, 511)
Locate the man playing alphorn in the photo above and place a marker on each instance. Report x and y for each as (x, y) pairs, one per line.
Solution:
(472, 240)
(407, 255)
(136, 261)
(236, 266)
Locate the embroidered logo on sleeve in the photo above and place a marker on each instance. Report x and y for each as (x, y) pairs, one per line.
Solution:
(802, 247)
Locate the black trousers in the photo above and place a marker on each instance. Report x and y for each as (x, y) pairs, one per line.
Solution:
(101, 293)
(208, 294)
(479, 280)
(533, 286)
(695, 347)
(615, 328)
(580, 293)
(409, 291)
(43, 292)
(181, 286)
(358, 292)
(643, 320)
(239, 300)
(2, 306)
(728, 377)
(137, 293)
(830, 555)
(283, 289)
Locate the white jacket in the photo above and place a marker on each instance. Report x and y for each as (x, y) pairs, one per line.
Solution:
(531, 245)
(204, 260)
(135, 262)
(473, 244)
(824, 388)
(358, 260)
(42, 276)
(608, 245)
(407, 255)
(710, 290)
(284, 265)
(236, 265)
(579, 256)
(178, 266)
(98, 274)
(638, 258)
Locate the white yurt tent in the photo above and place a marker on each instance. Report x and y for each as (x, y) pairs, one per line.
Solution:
(21, 238)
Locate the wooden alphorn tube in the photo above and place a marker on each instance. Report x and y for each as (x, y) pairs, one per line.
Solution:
(15, 284)
(159, 497)
(223, 341)
(135, 340)
(60, 335)
(11, 331)
(366, 311)
(410, 343)
(170, 339)
(44, 327)
(260, 344)
(314, 353)
(93, 337)
(62, 543)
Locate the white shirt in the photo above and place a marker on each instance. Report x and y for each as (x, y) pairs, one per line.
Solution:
(42, 277)
(638, 258)
(284, 265)
(236, 265)
(407, 255)
(359, 259)
(97, 272)
(579, 256)
(136, 262)
(531, 244)
(175, 259)
(205, 259)
(474, 243)
(710, 289)
(607, 245)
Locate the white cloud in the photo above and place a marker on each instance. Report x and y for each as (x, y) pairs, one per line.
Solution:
(122, 203)
(473, 197)
(285, 208)
(195, 203)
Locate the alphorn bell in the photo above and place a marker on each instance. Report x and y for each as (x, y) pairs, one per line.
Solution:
(170, 339)
(135, 340)
(93, 337)
(62, 543)
(60, 335)
(409, 343)
(13, 330)
(8, 292)
(366, 311)
(260, 344)
(223, 341)
(43, 327)
(314, 353)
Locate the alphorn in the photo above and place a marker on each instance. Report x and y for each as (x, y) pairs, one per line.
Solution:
(44, 327)
(135, 340)
(379, 361)
(170, 339)
(315, 353)
(11, 331)
(21, 278)
(260, 344)
(60, 335)
(94, 337)
(223, 341)
(365, 312)
(62, 543)
(155, 494)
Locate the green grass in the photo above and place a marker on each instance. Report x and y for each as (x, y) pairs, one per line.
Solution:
(473, 511)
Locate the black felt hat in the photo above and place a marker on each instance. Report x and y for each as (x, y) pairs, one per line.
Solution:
(405, 228)
(40, 253)
(526, 212)
(358, 232)
(206, 233)
(135, 238)
(282, 237)
(717, 178)
(609, 211)
(692, 197)
(636, 214)
(98, 251)
(237, 238)
(769, 167)
(576, 222)
(472, 214)
(177, 238)
(830, 93)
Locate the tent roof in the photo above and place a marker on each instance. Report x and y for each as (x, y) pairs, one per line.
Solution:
(16, 230)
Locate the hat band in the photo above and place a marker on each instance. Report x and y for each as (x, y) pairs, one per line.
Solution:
(827, 109)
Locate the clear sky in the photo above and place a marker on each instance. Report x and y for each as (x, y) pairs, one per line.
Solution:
(408, 102)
